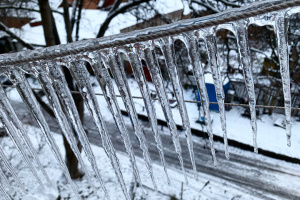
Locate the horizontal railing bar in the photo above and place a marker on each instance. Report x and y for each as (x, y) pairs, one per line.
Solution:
(234, 14)
(187, 101)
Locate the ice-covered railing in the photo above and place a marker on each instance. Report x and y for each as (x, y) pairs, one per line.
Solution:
(104, 57)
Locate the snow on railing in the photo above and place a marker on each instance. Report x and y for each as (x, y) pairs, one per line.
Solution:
(104, 57)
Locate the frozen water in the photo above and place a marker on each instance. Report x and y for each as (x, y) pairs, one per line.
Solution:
(192, 48)
(29, 99)
(167, 47)
(149, 56)
(281, 26)
(141, 80)
(241, 30)
(106, 85)
(211, 47)
(80, 74)
(62, 119)
(115, 64)
(11, 170)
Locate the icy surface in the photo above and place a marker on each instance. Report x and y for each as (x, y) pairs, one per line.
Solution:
(241, 31)
(31, 102)
(281, 27)
(192, 47)
(143, 86)
(119, 74)
(211, 46)
(167, 48)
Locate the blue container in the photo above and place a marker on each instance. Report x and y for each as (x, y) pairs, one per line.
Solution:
(211, 91)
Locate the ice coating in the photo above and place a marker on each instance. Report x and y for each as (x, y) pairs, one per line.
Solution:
(62, 120)
(11, 170)
(280, 28)
(104, 80)
(148, 53)
(12, 132)
(143, 86)
(61, 87)
(241, 30)
(115, 64)
(211, 48)
(5, 194)
(81, 76)
(167, 47)
(4, 179)
(29, 99)
(192, 48)
(14, 120)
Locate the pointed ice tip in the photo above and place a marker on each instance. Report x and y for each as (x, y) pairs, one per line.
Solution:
(227, 156)
(289, 142)
(215, 163)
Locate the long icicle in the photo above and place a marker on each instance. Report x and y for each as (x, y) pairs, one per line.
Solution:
(61, 87)
(81, 76)
(13, 118)
(11, 170)
(158, 82)
(5, 195)
(12, 132)
(241, 29)
(104, 80)
(192, 47)
(281, 26)
(143, 86)
(167, 48)
(62, 120)
(211, 47)
(118, 72)
(29, 99)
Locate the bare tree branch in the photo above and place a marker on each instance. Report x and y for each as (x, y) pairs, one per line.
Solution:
(120, 10)
(6, 30)
(26, 9)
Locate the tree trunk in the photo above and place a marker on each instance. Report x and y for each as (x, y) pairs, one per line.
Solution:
(52, 38)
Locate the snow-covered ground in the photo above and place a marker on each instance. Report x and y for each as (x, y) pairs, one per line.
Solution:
(217, 188)
(269, 137)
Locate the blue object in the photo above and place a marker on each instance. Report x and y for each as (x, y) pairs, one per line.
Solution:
(211, 91)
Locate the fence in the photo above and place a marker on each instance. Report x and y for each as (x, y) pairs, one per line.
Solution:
(103, 55)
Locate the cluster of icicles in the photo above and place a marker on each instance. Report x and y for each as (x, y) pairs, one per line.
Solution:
(53, 82)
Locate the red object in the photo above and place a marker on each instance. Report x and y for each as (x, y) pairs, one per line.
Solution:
(147, 74)
(34, 24)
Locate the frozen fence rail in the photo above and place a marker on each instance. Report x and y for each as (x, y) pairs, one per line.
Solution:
(104, 55)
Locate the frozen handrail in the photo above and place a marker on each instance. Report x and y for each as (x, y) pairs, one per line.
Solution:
(104, 57)
(147, 34)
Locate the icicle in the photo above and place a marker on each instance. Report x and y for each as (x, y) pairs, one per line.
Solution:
(62, 120)
(11, 170)
(81, 76)
(211, 47)
(107, 88)
(193, 53)
(167, 48)
(27, 95)
(118, 72)
(5, 195)
(14, 120)
(241, 29)
(141, 80)
(61, 87)
(4, 179)
(158, 82)
(281, 25)
(12, 132)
